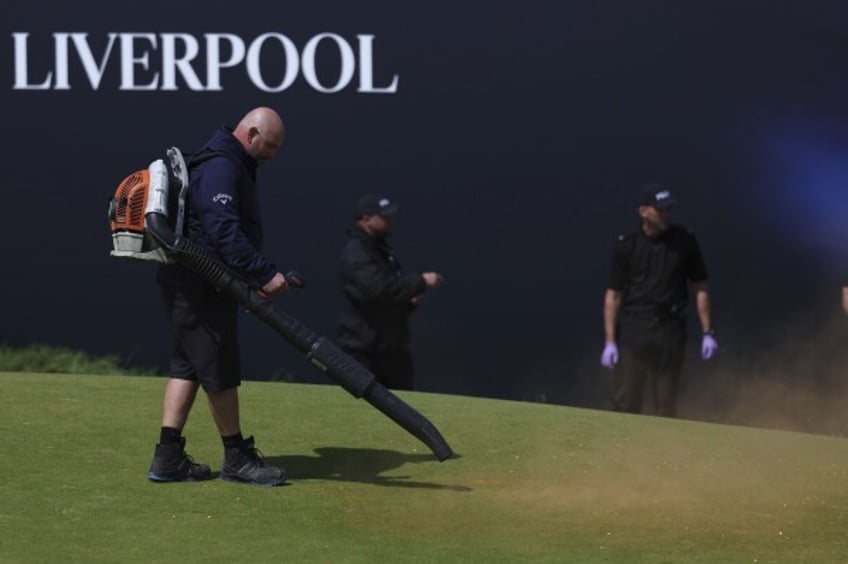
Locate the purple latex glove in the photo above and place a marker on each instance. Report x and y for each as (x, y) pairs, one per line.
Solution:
(709, 346)
(609, 358)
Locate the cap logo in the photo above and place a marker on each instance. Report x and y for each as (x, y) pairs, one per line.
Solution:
(384, 203)
(664, 195)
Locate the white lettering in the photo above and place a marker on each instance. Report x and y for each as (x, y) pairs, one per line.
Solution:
(22, 66)
(61, 44)
(214, 64)
(253, 59)
(347, 63)
(129, 61)
(170, 62)
(366, 68)
(93, 71)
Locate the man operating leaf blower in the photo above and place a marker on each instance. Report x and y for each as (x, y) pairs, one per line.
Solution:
(200, 218)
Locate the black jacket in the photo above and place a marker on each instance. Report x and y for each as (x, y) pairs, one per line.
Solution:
(223, 215)
(377, 295)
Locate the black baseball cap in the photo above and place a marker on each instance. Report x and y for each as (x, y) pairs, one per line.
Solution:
(374, 204)
(657, 196)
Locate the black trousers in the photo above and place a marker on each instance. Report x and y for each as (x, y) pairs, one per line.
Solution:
(394, 369)
(650, 352)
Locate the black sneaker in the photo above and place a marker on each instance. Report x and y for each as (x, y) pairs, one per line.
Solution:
(245, 464)
(172, 464)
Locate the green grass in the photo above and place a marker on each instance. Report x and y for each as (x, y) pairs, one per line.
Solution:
(531, 483)
(64, 360)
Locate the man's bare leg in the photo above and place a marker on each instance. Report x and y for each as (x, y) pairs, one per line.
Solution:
(179, 397)
(224, 406)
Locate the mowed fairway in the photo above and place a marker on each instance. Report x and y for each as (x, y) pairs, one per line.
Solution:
(530, 483)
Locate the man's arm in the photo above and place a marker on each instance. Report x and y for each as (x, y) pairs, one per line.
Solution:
(368, 280)
(215, 198)
(845, 298)
(612, 303)
(702, 302)
(618, 279)
(709, 345)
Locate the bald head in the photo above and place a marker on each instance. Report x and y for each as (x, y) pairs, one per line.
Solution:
(261, 133)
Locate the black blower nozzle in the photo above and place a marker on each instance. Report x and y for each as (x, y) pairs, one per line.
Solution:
(320, 351)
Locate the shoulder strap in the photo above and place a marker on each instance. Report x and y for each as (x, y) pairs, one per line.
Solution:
(191, 161)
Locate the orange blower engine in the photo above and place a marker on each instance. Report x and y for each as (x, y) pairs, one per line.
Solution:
(126, 221)
(160, 189)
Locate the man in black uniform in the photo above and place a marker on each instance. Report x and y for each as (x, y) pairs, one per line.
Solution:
(378, 296)
(645, 306)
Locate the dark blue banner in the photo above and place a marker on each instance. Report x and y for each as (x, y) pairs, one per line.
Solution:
(514, 135)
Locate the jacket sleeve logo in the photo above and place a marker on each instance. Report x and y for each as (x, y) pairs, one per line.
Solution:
(222, 199)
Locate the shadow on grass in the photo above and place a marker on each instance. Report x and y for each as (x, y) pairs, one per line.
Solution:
(358, 465)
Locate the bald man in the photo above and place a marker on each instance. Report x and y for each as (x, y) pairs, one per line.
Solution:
(223, 218)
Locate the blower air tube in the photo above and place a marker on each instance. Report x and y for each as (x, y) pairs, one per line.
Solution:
(320, 352)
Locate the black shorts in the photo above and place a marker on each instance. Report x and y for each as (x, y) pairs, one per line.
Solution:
(204, 324)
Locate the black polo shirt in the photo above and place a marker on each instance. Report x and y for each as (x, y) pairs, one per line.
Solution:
(652, 272)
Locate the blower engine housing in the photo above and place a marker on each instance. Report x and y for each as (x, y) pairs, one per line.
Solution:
(160, 188)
